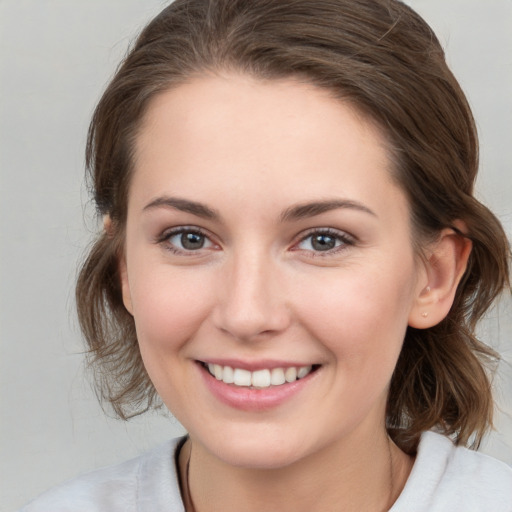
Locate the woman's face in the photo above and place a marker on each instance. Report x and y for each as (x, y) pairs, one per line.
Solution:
(267, 243)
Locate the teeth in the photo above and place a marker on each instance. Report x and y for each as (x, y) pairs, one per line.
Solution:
(303, 371)
(277, 377)
(241, 377)
(259, 378)
(228, 375)
(217, 371)
(290, 374)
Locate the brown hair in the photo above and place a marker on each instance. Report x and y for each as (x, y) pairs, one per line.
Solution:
(383, 58)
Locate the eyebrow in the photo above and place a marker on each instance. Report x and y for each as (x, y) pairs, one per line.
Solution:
(305, 210)
(184, 205)
(292, 213)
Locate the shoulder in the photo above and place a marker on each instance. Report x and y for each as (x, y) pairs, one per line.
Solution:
(446, 477)
(147, 481)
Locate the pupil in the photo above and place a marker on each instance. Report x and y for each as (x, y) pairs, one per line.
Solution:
(192, 241)
(323, 242)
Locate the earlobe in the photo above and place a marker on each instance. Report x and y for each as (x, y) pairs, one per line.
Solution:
(108, 227)
(445, 265)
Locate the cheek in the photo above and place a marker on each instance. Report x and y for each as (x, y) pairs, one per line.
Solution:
(168, 311)
(168, 308)
(362, 315)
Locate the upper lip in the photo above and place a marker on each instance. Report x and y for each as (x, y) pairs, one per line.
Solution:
(260, 364)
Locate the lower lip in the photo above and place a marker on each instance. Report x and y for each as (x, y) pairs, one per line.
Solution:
(249, 399)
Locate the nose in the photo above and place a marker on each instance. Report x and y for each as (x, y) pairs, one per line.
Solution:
(252, 302)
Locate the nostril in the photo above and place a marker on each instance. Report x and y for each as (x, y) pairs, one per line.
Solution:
(251, 324)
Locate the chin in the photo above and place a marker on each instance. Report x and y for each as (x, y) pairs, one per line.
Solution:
(266, 450)
(257, 457)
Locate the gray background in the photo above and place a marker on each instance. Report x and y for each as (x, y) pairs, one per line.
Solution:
(55, 58)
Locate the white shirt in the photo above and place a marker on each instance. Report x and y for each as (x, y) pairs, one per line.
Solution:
(444, 478)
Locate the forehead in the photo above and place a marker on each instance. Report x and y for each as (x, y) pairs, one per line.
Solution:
(249, 135)
(253, 107)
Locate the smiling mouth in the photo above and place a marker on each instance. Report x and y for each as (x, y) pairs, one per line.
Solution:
(259, 379)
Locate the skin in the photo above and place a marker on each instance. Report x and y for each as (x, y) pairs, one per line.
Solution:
(250, 152)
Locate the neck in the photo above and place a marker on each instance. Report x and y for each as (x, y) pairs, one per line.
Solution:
(355, 476)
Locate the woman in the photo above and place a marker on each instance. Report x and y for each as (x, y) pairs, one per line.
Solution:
(293, 261)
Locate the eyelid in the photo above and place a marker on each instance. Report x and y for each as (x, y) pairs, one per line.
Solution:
(346, 239)
(163, 239)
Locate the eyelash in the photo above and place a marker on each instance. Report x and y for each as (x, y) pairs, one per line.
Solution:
(345, 240)
(166, 236)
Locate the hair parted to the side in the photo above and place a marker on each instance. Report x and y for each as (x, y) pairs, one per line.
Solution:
(380, 56)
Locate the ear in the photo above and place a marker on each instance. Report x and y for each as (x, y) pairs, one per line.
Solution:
(109, 228)
(125, 285)
(445, 265)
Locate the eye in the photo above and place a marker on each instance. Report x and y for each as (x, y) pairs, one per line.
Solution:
(185, 240)
(324, 240)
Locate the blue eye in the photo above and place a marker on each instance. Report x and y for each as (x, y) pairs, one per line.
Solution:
(186, 240)
(324, 241)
